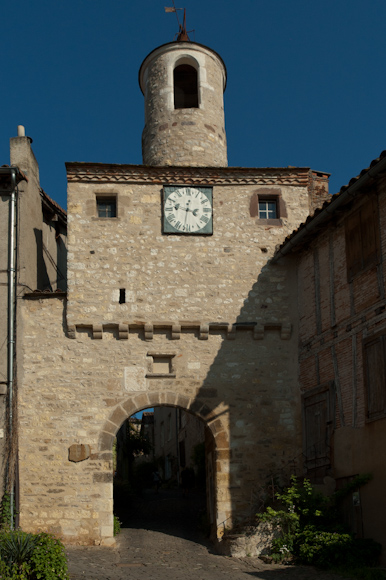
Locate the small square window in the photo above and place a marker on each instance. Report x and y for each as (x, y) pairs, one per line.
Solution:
(107, 207)
(267, 209)
(160, 365)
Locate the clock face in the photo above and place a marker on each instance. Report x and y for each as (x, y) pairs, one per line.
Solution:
(188, 210)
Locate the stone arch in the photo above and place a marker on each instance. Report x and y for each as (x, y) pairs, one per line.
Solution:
(218, 497)
(167, 399)
(186, 84)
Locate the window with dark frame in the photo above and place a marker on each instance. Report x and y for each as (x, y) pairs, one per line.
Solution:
(106, 207)
(185, 87)
(268, 206)
(374, 350)
(362, 238)
(268, 209)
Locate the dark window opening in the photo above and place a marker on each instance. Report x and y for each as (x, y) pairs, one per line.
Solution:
(362, 238)
(185, 87)
(318, 415)
(375, 377)
(268, 209)
(107, 207)
(181, 446)
(122, 296)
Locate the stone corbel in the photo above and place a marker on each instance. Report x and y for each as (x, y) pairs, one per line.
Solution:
(71, 331)
(258, 332)
(231, 332)
(286, 329)
(97, 331)
(123, 331)
(176, 332)
(203, 332)
(149, 330)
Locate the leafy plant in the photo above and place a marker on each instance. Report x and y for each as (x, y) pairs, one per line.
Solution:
(31, 557)
(5, 511)
(117, 525)
(17, 547)
(311, 531)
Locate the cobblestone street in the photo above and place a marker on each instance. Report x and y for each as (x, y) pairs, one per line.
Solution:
(165, 544)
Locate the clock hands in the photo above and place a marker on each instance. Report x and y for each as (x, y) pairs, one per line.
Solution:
(187, 209)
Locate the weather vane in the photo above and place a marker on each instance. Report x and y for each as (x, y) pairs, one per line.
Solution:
(182, 34)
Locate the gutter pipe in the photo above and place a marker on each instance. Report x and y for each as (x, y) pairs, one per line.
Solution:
(11, 312)
(341, 199)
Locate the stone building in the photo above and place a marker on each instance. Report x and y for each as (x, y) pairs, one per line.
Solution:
(171, 301)
(38, 246)
(340, 256)
(176, 433)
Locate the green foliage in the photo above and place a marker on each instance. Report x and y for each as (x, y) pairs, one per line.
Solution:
(117, 525)
(32, 557)
(310, 529)
(298, 505)
(137, 444)
(5, 512)
(17, 547)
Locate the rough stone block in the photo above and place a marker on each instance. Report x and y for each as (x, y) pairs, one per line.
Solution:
(78, 452)
(106, 441)
(104, 477)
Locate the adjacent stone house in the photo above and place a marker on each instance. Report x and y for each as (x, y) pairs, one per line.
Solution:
(172, 300)
(38, 247)
(340, 257)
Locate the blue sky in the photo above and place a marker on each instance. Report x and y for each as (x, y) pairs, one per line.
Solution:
(306, 80)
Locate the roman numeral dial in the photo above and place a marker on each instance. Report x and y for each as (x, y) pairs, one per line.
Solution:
(187, 210)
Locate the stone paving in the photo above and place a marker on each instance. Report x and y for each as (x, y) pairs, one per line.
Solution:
(165, 544)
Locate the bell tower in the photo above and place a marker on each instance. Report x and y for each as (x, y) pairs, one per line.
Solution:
(183, 84)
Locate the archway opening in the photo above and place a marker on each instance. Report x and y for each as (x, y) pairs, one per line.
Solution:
(185, 87)
(164, 473)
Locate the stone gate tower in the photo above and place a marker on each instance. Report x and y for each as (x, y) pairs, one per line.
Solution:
(183, 85)
(171, 301)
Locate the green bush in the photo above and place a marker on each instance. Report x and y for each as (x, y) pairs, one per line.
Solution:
(32, 557)
(117, 525)
(311, 531)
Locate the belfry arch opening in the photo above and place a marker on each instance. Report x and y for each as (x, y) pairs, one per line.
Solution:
(185, 82)
(164, 472)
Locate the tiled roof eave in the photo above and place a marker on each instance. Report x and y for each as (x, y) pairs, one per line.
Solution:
(308, 229)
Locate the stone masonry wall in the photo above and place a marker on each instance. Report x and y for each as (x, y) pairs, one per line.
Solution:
(213, 306)
(336, 316)
(192, 136)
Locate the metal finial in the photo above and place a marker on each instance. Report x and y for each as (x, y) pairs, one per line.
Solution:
(182, 33)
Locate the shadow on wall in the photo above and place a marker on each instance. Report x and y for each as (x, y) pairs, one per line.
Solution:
(51, 272)
(249, 397)
(42, 278)
(252, 384)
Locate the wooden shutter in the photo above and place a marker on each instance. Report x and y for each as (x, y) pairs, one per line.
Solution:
(362, 237)
(353, 244)
(316, 418)
(370, 232)
(375, 377)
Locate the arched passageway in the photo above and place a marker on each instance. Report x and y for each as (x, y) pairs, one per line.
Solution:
(186, 501)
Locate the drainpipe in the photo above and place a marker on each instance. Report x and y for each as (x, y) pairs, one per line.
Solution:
(11, 313)
(11, 321)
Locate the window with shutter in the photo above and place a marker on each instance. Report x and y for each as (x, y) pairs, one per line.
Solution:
(362, 238)
(317, 429)
(375, 377)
